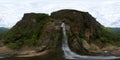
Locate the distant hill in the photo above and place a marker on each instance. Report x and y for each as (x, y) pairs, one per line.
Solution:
(2, 31)
(116, 30)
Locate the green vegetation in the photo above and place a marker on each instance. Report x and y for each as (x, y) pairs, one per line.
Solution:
(106, 37)
(91, 48)
(13, 45)
(117, 30)
(54, 34)
(2, 32)
(80, 39)
(27, 31)
(81, 36)
(32, 42)
(32, 29)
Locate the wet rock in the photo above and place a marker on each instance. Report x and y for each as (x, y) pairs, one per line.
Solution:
(85, 44)
(112, 50)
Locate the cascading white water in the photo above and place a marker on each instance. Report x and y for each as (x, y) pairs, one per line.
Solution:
(68, 54)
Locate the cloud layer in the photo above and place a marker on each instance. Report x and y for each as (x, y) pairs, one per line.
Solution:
(105, 11)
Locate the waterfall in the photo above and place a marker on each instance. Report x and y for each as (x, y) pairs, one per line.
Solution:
(68, 54)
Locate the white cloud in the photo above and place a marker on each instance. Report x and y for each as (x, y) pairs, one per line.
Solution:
(106, 11)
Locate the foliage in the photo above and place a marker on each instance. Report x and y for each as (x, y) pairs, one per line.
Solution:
(80, 38)
(106, 36)
(2, 32)
(54, 33)
(12, 45)
(31, 42)
(27, 31)
(91, 48)
(117, 30)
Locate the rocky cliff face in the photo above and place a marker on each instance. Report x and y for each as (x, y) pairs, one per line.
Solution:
(84, 33)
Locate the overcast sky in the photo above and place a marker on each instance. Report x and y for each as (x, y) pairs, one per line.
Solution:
(107, 12)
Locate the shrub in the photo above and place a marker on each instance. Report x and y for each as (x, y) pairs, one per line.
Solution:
(31, 42)
(54, 33)
(13, 45)
(91, 48)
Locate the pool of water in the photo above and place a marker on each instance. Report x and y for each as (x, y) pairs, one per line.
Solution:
(44, 58)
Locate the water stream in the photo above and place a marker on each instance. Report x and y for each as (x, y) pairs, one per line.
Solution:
(5, 55)
(68, 54)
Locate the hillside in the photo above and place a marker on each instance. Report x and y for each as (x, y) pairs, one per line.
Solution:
(42, 31)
